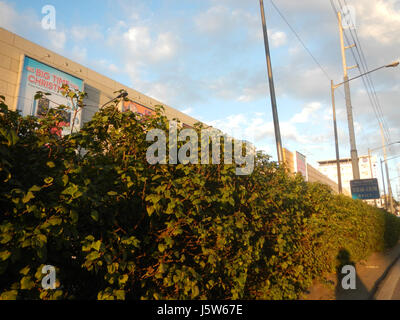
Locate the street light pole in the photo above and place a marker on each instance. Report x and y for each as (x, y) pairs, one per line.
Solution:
(370, 167)
(386, 166)
(349, 108)
(387, 171)
(333, 87)
(271, 87)
(384, 188)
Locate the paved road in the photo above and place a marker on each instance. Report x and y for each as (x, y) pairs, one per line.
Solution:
(390, 287)
(396, 292)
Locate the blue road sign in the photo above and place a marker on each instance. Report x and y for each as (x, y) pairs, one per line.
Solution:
(365, 189)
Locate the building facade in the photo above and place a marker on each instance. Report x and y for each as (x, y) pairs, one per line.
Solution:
(368, 169)
(297, 163)
(26, 68)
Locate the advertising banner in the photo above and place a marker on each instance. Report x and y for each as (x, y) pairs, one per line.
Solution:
(37, 76)
(136, 108)
(301, 165)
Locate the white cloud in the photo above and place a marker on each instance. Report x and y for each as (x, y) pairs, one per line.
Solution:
(79, 53)
(147, 48)
(8, 16)
(258, 130)
(240, 85)
(308, 112)
(188, 111)
(84, 33)
(278, 38)
(254, 91)
(57, 40)
(213, 20)
(226, 21)
(381, 20)
(107, 65)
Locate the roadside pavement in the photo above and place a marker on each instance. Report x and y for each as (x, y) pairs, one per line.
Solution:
(377, 278)
(389, 289)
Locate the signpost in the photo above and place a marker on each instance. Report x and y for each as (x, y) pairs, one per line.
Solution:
(365, 189)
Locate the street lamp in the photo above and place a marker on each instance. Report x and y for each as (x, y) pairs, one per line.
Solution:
(374, 149)
(387, 171)
(390, 196)
(333, 88)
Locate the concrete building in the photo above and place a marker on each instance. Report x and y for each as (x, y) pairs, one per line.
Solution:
(297, 163)
(26, 67)
(329, 169)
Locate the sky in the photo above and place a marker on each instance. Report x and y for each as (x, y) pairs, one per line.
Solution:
(206, 58)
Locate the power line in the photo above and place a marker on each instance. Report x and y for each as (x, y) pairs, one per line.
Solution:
(367, 81)
(300, 40)
(363, 67)
(363, 59)
(360, 52)
(377, 115)
(361, 63)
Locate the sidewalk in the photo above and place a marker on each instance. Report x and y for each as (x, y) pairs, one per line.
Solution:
(372, 276)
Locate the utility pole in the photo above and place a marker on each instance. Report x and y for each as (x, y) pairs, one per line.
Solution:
(384, 188)
(339, 174)
(390, 199)
(272, 87)
(370, 166)
(354, 155)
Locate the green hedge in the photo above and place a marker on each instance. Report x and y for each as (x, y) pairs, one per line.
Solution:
(116, 227)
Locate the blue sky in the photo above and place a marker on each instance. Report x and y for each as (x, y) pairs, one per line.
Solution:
(206, 58)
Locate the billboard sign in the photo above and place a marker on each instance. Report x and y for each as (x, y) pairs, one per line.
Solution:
(365, 189)
(301, 164)
(37, 76)
(136, 108)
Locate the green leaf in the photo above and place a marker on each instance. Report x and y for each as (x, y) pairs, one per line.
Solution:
(50, 164)
(54, 221)
(48, 180)
(150, 210)
(41, 239)
(96, 245)
(112, 193)
(65, 179)
(4, 255)
(120, 294)
(35, 188)
(95, 215)
(25, 270)
(27, 283)
(74, 216)
(195, 292)
(123, 279)
(93, 256)
(28, 197)
(161, 247)
(9, 295)
(57, 295)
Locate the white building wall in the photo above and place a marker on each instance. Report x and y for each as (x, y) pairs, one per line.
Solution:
(330, 170)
